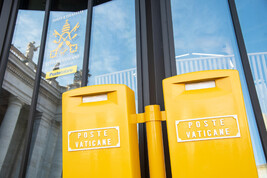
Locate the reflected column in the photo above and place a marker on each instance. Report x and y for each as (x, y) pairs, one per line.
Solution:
(8, 127)
(56, 167)
(38, 145)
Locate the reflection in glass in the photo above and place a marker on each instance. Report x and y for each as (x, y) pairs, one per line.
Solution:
(64, 49)
(204, 40)
(15, 97)
(27, 35)
(252, 16)
(113, 50)
(61, 71)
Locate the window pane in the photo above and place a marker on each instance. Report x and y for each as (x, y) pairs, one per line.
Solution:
(64, 49)
(205, 40)
(62, 71)
(252, 16)
(113, 45)
(16, 95)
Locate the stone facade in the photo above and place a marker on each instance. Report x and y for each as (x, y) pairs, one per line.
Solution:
(46, 151)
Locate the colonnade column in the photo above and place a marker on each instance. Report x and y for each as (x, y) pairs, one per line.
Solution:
(56, 167)
(8, 127)
(38, 145)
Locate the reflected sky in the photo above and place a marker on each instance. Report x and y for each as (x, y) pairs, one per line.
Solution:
(198, 28)
(28, 28)
(113, 41)
(252, 16)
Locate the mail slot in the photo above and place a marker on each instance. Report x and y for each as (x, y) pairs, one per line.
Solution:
(207, 126)
(99, 137)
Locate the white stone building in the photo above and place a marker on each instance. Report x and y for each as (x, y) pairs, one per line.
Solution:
(46, 154)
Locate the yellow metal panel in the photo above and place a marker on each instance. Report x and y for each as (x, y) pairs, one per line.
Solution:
(207, 126)
(154, 142)
(99, 138)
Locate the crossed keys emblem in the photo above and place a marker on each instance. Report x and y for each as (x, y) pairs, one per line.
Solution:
(65, 38)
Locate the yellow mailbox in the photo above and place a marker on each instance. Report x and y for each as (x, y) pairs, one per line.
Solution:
(207, 126)
(99, 137)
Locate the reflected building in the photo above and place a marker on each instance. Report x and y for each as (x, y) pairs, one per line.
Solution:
(17, 91)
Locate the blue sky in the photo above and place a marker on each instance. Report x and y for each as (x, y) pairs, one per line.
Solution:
(252, 15)
(113, 43)
(200, 28)
(28, 28)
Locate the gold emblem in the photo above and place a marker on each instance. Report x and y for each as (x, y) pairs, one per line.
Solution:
(65, 38)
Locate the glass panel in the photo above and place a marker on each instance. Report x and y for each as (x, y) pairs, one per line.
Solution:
(252, 16)
(205, 40)
(113, 45)
(62, 71)
(64, 49)
(15, 97)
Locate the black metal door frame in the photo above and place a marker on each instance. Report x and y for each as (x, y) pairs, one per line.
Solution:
(155, 61)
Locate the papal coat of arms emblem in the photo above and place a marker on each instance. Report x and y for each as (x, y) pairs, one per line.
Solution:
(64, 40)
